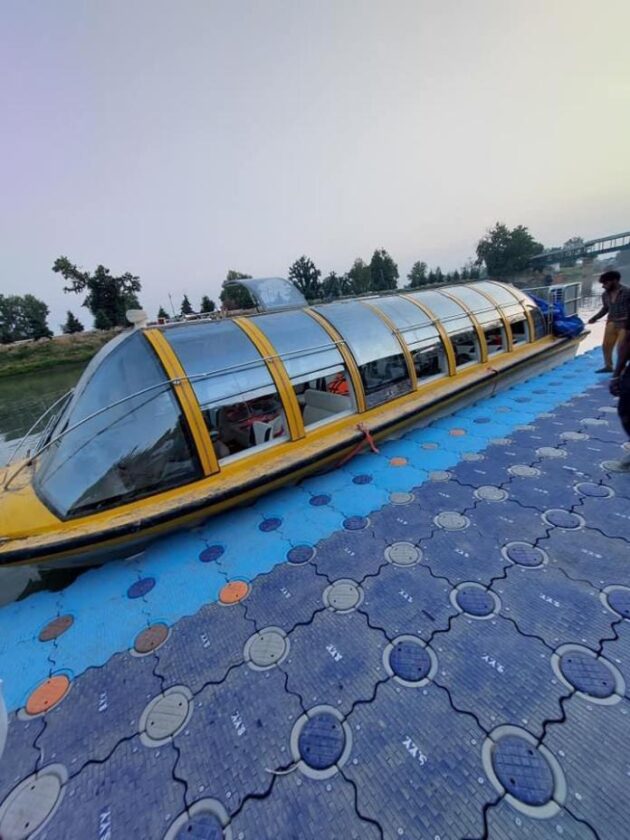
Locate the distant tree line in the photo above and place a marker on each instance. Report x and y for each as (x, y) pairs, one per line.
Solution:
(501, 252)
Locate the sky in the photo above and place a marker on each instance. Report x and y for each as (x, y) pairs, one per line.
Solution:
(179, 140)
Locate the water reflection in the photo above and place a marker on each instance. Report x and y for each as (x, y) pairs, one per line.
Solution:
(23, 399)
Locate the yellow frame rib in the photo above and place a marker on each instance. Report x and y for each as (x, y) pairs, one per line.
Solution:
(348, 358)
(481, 336)
(506, 324)
(413, 376)
(439, 326)
(187, 400)
(278, 374)
(526, 310)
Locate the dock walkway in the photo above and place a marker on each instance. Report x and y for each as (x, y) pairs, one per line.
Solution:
(431, 642)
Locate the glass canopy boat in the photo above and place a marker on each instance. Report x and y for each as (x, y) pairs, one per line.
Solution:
(172, 423)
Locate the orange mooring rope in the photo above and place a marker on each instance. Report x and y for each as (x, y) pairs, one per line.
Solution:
(367, 438)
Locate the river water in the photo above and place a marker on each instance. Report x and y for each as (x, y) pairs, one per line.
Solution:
(23, 399)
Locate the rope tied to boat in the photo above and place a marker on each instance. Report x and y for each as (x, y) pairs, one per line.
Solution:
(367, 439)
(496, 373)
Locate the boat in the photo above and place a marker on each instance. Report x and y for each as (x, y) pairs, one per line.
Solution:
(172, 423)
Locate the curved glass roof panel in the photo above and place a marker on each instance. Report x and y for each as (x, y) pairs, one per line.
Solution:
(271, 293)
(223, 365)
(508, 302)
(451, 314)
(304, 346)
(485, 311)
(368, 337)
(415, 325)
(497, 291)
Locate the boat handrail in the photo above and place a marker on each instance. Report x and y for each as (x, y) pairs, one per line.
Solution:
(198, 377)
(34, 425)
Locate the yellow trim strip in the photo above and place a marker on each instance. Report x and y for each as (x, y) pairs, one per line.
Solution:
(439, 326)
(480, 333)
(413, 376)
(187, 399)
(506, 323)
(526, 310)
(348, 358)
(278, 374)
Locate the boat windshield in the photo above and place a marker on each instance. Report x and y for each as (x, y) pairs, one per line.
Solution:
(122, 438)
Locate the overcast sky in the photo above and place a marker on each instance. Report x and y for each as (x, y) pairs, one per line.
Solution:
(177, 140)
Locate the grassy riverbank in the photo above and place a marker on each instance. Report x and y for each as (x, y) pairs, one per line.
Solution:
(30, 356)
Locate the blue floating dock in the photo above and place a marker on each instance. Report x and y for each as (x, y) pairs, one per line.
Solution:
(379, 652)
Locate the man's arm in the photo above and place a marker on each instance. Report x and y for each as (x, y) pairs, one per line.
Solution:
(599, 315)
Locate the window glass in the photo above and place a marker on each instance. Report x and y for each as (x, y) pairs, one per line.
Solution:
(520, 330)
(232, 383)
(314, 364)
(381, 363)
(419, 334)
(138, 446)
(487, 315)
(541, 326)
(466, 347)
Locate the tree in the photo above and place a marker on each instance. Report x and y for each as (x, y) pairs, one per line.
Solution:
(234, 296)
(207, 305)
(417, 276)
(465, 273)
(306, 277)
(506, 251)
(359, 278)
(162, 314)
(72, 325)
(575, 244)
(439, 277)
(331, 286)
(108, 298)
(186, 308)
(22, 318)
(383, 270)
(456, 277)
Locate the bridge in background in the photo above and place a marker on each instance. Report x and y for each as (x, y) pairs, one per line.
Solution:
(592, 248)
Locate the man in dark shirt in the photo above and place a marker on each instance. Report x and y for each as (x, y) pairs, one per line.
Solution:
(616, 304)
(620, 387)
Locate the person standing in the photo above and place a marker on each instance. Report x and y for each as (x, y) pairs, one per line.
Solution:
(620, 387)
(615, 304)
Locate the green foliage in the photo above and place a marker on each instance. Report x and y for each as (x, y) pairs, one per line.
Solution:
(506, 251)
(72, 325)
(575, 243)
(19, 359)
(383, 271)
(306, 277)
(162, 314)
(439, 277)
(359, 278)
(417, 276)
(207, 305)
(331, 286)
(108, 298)
(186, 308)
(234, 296)
(22, 318)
